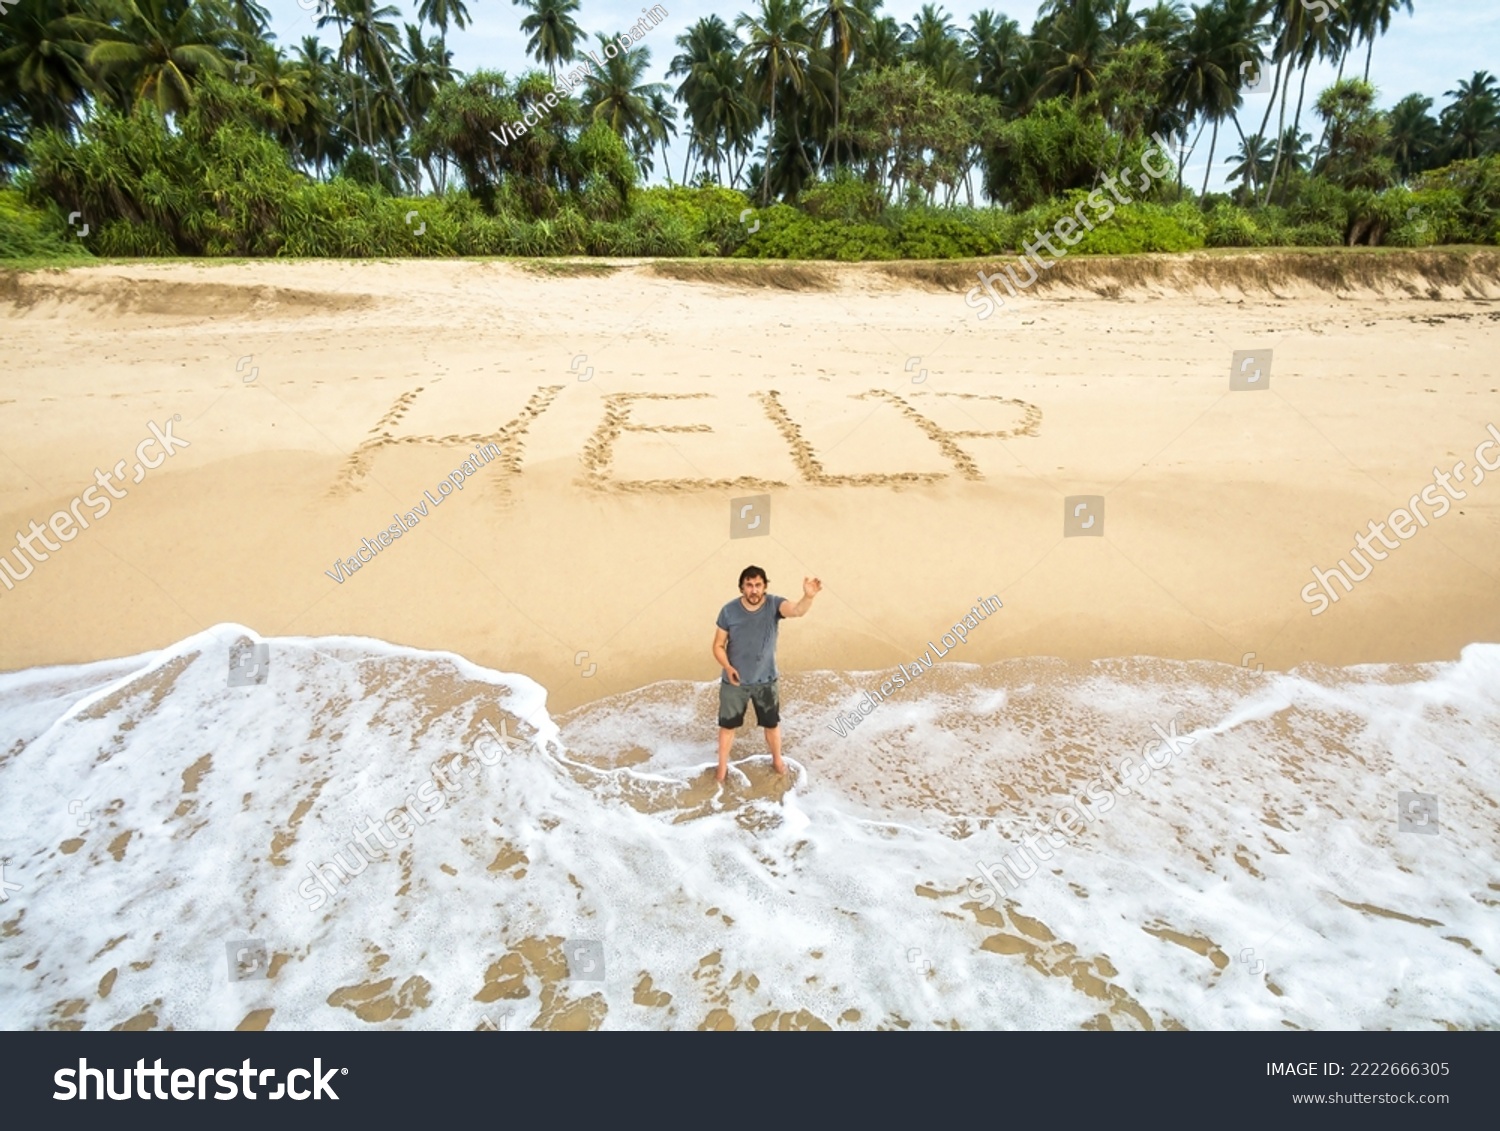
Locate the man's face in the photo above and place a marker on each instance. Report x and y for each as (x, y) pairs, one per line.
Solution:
(754, 590)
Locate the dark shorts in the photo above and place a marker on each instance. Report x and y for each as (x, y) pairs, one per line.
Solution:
(733, 700)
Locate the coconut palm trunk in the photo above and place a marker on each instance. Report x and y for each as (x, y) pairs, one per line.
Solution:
(765, 180)
(1213, 143)
(1280, 130)
(1245, 149)
(1296, 120)
(837, 83)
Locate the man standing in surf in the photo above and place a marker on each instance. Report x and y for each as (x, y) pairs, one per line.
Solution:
(745, 647)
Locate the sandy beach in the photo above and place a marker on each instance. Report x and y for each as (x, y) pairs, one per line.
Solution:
(915, 457)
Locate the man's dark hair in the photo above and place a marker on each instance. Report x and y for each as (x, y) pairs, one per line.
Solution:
(753, 571)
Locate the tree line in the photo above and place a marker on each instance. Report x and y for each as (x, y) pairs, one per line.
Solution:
(790, 96)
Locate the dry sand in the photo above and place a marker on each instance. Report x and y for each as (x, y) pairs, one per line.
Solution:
(916, 457)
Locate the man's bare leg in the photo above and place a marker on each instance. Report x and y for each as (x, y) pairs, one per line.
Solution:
(773, 744)
(726, 740)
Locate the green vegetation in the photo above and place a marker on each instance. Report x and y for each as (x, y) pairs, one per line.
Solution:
(177, 128)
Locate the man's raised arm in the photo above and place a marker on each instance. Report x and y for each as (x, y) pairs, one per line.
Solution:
(811, 587)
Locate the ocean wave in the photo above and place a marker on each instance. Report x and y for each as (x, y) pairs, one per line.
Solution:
(171, 845)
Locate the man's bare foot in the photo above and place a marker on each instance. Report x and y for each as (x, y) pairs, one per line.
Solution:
(719, 774)
(778, 765)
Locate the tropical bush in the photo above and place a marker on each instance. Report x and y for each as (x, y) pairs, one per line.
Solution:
(786, 233)
(843, 197)
(27, 231)
(180, 127)
(1231, 226)
(930, 234)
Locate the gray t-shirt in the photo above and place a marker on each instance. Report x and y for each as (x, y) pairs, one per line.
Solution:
(752, 639)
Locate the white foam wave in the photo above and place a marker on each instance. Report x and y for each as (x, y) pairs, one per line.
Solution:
(153, 815)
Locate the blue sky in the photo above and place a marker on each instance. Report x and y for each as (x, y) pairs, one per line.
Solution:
(1427, 53)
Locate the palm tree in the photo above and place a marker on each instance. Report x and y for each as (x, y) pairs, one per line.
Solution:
(1304, 37)
(1472, 119)
(619, 98)
(365, 44)
(1369, 18)
(1071, 32)
(724, 115)
(429, 67)
(1122, 28)
(776, 50)
(1415, 137)
(1295, 153)
(249, 18)
(845, 26)
(994, 42)
(284, 84)
(318, 139)
(1163, 23)
(1254, 163)
(438, 13)
(160, 48)
(932, 41)
(1220, 37)
(661, 125)
(883, 46)
(42, 62)
(694, 64)
(554, 33)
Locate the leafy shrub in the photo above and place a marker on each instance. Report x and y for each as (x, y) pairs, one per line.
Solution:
(1141, 227)
(1319, 204)
(711, 216)
(1050, 150)
(1470, 198)
(786, 233)
(362, 169)
(119, 238)
(845, 198)
(1430, 216)
(1230, 226)
(1128, 229)
(27, 231)
(1314, 235)
(929, 234)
